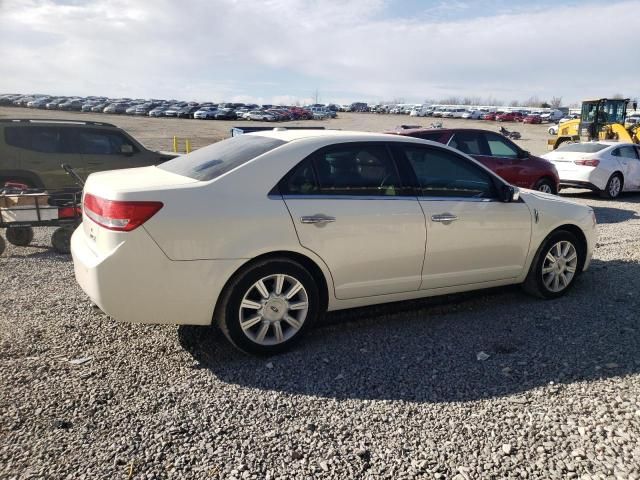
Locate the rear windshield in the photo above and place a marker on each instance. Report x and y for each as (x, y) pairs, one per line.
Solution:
(582, 147)
(210, 162)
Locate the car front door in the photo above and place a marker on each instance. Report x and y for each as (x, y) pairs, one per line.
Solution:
(349, 207)
(472, 236)
(475, 144)
(508, 165)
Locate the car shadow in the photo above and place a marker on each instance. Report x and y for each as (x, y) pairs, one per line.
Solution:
(427, 350)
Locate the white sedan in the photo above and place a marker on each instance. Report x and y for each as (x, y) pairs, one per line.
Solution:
(607, 167)
(260, 116)
(206, 113)
(263, 232)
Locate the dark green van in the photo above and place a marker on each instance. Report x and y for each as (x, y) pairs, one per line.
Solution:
(31, 151)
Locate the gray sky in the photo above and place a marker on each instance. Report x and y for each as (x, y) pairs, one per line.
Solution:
(283, 50)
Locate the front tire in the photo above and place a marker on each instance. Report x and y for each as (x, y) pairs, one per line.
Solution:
(613, 187)
(268, 307)
(545, 185)
(555, 267)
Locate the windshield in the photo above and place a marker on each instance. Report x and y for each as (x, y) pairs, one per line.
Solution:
(582, 147)
(210, 162)
(609, 111)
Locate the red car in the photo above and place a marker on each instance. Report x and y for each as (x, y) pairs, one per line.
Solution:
(489, 116)
(532, 119)
(506, 117)
(496, 152)
(519, 116)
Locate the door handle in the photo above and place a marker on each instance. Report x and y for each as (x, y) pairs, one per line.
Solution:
(317, 219)
(445, 218)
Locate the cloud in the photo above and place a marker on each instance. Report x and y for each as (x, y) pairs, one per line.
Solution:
(285, 49)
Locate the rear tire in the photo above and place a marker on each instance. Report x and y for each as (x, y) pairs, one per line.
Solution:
(555, 267)
(19, 236)
(3, 245)
(255, 314)
(614, 187)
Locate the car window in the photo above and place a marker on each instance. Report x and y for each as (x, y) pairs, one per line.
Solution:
(469, 143)
(498, 147)
(100, 142)
(219, 158)
(39, 139)
(626, 151)
(300, 181)
(348, 169)
(441, 173)
(435, 136)
(356, 169)
(582, 147)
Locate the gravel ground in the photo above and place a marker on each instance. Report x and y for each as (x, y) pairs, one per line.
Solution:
(388, 392)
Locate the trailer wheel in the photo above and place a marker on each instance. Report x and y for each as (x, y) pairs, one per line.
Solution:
(19, 236)
(3, 245)
(61, 239)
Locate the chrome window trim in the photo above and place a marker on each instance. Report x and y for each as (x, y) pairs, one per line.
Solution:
(456, 199)
(380, 197)
(344, 197)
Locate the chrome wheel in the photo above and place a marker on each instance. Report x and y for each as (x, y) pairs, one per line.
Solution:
(559, 266)
(545, 188)
(615, 185)
(273, 309)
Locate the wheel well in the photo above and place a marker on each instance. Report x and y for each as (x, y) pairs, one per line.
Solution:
(618, 172)
(582, 240)
(306, 262)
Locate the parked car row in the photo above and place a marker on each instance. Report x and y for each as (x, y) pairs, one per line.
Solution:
(174, 108)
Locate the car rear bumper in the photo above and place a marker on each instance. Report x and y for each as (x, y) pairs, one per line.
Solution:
(135, 281)
(582, 177)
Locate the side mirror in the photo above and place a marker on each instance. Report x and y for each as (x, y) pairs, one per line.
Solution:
(522, 154)
(126, 149)
(510, 194)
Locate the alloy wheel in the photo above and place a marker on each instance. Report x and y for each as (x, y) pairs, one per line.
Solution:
(545, 188)
(614, 186)
(273, 309)
(559, 266)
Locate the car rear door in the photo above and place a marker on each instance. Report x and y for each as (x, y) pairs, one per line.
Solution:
(43, 151)
(472, 236)
(350, 207)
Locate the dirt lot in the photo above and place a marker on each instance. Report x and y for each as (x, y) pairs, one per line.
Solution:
(157, 133)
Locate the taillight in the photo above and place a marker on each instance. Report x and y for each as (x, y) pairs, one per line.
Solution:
(121, 216)
(587, 163)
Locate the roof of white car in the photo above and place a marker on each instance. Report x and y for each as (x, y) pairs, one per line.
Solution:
(290, 135)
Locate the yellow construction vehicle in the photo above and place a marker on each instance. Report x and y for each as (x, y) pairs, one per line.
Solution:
(602, 119)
